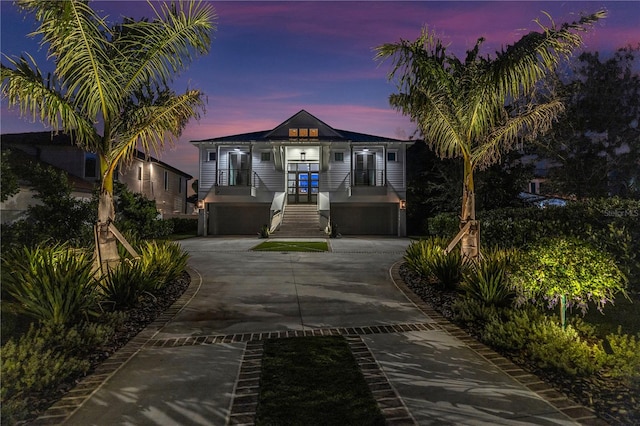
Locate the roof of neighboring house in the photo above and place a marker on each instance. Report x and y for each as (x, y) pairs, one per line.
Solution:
(26, 160)
(62, 139)
(302, 120)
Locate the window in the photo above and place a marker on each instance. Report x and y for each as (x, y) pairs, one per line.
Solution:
(179, 184)
(265, 156)
(90, 165)
(166, 180)
(391, 156)
(212, 156)
(139, 172)
(338, 156)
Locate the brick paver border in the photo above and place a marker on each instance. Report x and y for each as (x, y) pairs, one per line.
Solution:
(570, 408)
(247, 390)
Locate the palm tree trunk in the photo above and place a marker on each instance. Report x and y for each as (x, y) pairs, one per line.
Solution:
(470, 243)
(106, 242)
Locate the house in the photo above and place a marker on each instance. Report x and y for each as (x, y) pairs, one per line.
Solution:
(352, 181)
(153, 178)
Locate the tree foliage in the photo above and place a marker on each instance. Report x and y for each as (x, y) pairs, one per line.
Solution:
(110, 90)
(9, 180)
(479, 108)
(568, 267)
(57, 216)
(596, 144)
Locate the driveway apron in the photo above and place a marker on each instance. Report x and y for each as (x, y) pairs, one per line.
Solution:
(188, 372)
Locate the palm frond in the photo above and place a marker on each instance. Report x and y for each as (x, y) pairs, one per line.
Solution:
(519, 67)
(38, 97)
(77, 39)
(151, 127)
(528, 124)
(153, 52)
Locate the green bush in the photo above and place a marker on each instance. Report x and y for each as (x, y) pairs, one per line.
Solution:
(487, 280)
(138, 215)
(50, 283)
(124, 284)
(418, 254)
(512, 330)
(610, 224)
(623, 361)
(163, 260)
(427, 258)
(44, 357)
(552, 347)
(447, 267)
(183, 225)
(473, 313)
(567, 267)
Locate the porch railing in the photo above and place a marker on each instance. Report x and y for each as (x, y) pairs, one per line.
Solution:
(368, 177)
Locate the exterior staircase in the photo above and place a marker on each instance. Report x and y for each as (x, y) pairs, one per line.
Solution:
(300, 220)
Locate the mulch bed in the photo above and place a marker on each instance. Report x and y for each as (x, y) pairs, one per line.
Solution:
(611, 399)
(148, 308)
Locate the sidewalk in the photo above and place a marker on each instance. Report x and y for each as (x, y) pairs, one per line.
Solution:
(200, 363)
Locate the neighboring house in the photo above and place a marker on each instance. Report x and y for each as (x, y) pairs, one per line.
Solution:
(154, 179)
(353, 180)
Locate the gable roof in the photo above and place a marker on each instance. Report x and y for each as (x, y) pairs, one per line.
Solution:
(302, 120)
(62, 139)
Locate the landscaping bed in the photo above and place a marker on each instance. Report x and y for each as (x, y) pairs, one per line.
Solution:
(145, 311)
(610, 398)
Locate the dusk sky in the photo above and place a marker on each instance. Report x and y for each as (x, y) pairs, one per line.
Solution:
(271, 59)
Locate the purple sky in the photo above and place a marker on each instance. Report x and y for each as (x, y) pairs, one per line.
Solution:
(271, 59)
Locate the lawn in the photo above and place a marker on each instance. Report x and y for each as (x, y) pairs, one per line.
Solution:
(304, 246)
(313, 381)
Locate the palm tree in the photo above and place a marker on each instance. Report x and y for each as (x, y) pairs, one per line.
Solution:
(481, 107)
(110, 88)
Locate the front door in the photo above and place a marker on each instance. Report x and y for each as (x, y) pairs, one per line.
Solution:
(302, 183)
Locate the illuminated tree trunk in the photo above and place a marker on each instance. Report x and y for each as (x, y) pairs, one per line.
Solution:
(470, 242)
(106, 242)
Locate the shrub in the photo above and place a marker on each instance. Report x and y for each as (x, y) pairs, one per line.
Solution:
(50, 283)
(486, 279)
(623, 361)
(183, 225)
(511, 331)
(447, 267)
(561, 349)
(418, 254)
(44, 357)
(568, 267)
(427, 258)
(123, 285)
(163, 260)
(138, 215)
(473, 313)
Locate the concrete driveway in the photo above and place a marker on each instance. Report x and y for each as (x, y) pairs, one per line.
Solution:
(201, 367)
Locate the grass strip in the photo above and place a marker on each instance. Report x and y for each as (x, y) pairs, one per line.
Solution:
(304, 246)
(313, 381)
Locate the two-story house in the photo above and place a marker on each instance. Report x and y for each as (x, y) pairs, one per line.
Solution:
(149, 176)
(350, 180)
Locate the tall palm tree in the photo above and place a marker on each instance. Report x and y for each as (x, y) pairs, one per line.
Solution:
(110, 88)
(481, 107)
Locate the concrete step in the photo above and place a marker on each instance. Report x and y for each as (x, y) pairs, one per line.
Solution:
(300, 220)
